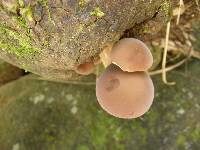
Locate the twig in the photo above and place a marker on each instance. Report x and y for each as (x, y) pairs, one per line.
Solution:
(173, 66)
(164, 78)
(196, 54)
(182, 48)
(168, 68)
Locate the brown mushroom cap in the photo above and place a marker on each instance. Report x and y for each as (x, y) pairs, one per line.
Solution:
(86, 68)
(123, 94)
(131, 55)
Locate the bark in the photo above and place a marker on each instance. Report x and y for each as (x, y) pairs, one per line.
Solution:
(52, 37)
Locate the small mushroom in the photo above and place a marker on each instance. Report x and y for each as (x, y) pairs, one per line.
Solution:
(124, 94)
(85, 68)
(131, 55)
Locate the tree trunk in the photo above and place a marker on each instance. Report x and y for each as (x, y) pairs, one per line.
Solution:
(52, 37)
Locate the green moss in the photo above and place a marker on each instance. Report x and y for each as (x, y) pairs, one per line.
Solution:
(82, 147)
(195, 134)
(147, 29)
(97, 12)
(26, 12)
(18, 40)
(19, 44)
(19, 21)
(21, 3)
(181, 140)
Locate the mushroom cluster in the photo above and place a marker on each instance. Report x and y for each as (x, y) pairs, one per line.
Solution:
(125, 90)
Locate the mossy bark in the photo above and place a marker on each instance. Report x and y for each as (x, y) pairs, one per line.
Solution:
(52, 37)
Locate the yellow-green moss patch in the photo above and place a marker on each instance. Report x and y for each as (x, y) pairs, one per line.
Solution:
(18, 43)
(97, 12)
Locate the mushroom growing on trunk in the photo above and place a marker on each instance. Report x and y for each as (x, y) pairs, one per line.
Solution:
(131, 55)
(123, 94)
(125, 90)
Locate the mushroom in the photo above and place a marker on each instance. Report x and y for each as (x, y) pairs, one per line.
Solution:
(131, 55)
(85, 68)
(124, 94)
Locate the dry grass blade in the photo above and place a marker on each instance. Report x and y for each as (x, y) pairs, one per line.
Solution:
(196, 54)
(197, 2)
(172, 67)
(181, 6)
(164, 78)
(168, 68)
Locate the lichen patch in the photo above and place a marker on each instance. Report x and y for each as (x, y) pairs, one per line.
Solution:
(74, 110)
(16, 146)
(37, 99)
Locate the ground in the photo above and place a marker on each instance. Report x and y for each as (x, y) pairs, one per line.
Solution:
(49, 115)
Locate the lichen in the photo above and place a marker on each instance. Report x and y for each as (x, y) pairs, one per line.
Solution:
(81, 3)
(97, 12)
(80, 28)
(45, 4)
(165, 9)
